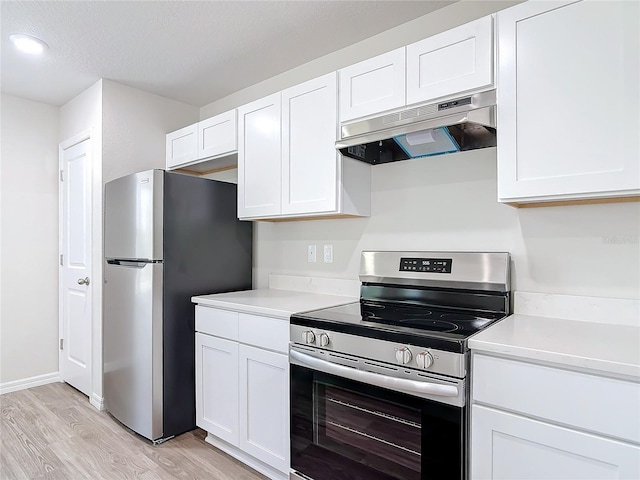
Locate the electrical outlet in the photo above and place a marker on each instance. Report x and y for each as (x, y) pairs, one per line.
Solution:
(311, 254)
(328, 254)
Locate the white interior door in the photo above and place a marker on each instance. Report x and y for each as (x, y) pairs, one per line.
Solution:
(75, 278)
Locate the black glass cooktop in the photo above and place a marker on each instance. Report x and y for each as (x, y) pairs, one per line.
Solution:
(434, 327)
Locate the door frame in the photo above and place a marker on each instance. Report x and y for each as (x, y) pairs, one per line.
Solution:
(66, 144)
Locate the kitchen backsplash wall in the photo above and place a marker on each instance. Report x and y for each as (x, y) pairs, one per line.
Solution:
(449, 203)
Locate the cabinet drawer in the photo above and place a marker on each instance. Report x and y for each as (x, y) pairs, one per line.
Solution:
(221, 323)
(265, 332)
(598, 404)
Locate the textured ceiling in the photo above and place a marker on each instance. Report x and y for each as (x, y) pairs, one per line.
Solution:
(192, 51)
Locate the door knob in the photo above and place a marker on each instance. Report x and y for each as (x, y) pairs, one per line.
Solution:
(83, 281)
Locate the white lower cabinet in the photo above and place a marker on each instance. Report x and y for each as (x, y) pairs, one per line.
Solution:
(216, 366)
(264, 406)
(531, 422)
(509, 447)
(242, 387)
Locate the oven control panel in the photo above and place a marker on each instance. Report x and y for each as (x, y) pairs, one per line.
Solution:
(427, 265)
(393, 355)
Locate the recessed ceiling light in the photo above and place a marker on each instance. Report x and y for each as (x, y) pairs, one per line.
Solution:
(27, 43)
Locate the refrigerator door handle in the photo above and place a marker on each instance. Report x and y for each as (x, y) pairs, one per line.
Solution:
(129, 263)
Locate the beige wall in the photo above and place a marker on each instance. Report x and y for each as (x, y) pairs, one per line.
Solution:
(28, 240)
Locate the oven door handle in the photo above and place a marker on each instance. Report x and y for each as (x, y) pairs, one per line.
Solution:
(398, 384)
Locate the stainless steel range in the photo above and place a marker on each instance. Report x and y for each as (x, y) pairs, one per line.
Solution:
(378, 387)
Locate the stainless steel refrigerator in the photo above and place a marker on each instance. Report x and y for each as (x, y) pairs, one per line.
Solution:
(167, 237)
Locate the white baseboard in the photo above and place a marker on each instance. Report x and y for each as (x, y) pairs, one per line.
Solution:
(38, 380)
(250, 461)
(97, 401)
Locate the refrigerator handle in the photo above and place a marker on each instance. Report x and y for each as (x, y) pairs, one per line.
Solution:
(128, 263)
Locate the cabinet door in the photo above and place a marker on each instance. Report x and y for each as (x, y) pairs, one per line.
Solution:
(509, 447)
(259, 157)
(218, 135)
(568, 103)
(309, 156)
(217, 387)
(264, 406)
(182, 146)
(452, 62)
(373, 86)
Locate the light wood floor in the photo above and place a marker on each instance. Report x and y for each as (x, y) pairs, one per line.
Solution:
(52, 432)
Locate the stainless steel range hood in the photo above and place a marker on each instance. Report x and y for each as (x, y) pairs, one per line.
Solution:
(458, 124)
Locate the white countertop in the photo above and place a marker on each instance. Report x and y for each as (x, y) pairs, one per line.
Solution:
(604, 348)
(272, 302)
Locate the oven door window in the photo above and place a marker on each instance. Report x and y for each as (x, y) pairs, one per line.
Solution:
(341, 429)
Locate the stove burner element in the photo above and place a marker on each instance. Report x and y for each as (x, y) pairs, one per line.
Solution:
(414, 322)
(422, 313)
(431, 325)
(458, 317)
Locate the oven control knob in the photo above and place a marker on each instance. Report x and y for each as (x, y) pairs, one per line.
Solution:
(323, 339)
(308, 337)
(403, 355)
(424, 360)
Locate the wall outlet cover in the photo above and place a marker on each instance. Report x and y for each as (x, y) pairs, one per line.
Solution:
(311, 253)
(328, 254)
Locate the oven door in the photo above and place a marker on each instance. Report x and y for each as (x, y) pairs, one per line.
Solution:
(346, 429)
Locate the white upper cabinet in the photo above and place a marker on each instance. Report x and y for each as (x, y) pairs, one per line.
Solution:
(309, 156)
(568, 104)
(458, 60)
(288, 165)
(259, 158)
(204, 147)
(218, 135)
(182, 146)
(373, 86)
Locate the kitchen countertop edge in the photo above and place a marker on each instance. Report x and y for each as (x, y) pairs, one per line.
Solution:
(592, 347)
(271, 302)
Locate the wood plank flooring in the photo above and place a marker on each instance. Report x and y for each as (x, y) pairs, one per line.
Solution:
(52, 432)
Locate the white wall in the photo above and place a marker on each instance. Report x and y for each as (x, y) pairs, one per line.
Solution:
(29, 240)
(135, 124)
(449, 203)
(422, 27)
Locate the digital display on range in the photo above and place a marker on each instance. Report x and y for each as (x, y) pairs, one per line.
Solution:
(427, 265)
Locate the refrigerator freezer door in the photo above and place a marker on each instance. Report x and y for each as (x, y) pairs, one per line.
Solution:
(132, 345)
(133, 216)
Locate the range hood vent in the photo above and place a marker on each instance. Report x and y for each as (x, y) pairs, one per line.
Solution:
(460, 124)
